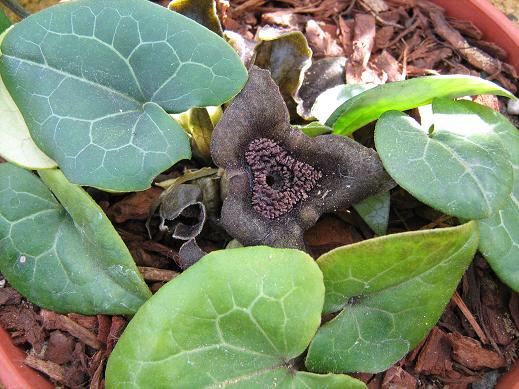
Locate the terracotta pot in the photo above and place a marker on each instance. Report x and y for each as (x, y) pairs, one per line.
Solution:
(496, 27)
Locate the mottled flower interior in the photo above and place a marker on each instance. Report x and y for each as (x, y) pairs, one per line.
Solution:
(279, 181)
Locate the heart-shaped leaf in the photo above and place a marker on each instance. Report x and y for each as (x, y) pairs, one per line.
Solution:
(389, 292)
(402, 95)
(95, 80)
(375, 212)
(457, 166)
(16, 144)
(66, 257)
(235, 318)
(499, 241)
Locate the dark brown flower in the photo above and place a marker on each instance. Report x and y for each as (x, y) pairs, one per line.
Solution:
(280, 180)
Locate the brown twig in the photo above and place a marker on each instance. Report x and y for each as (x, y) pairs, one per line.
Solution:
(52, 320)
(154, 274)
(470, 318)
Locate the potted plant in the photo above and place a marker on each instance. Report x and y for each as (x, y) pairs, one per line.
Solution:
(247, 322)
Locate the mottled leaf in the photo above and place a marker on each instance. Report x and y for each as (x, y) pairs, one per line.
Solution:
(66, 257)
(323, 74)
(328, 101)
(375, 212)
(95, 81)
(388, 293)
(402, 95)
(457, 166)
(499, 241)
(236, 318)
(201, 11)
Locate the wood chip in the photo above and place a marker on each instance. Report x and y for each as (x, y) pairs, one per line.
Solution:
(135, 206)
(116, 329)
(471, 354)
(55, 321)
(383, 36)
(435, 355)
(376, 6)
(387, 63)
(51, 369)
(473, 55)
(154, 274)
(466, 27)
(396, 377)
(363, 38)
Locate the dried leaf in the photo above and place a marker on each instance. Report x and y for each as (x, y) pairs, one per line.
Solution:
(201, 11)
(323, 74)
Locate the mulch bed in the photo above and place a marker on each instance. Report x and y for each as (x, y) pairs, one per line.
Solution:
(476, 339)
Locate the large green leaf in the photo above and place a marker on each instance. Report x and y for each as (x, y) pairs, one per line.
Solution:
(389, 292)
(66, 257)
(16, 144)
(95, 80)
(499, 241)
(402, 95)
(458, 166)
(236, 318)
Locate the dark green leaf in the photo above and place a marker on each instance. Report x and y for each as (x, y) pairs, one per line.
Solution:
(235, 318)
(457, 166)
(95, 80)
(389, 292)
(375, 212)
(403, 95)
(66, 257)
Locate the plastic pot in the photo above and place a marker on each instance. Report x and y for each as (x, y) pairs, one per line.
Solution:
(496, 27)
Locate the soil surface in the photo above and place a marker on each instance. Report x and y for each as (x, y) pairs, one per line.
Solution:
(510, 8)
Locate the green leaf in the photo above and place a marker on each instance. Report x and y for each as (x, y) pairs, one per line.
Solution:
(16, 144)
(4, 21)
(313, 129)
(95, 81)
(201, 11)
(65, 257)
(499, 241)
(328, 101)
(235, 318)
(375, 212)
(403, 95)
(389, 292)
(457, 166)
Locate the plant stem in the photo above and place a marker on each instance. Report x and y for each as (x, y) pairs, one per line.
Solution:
(14, 6)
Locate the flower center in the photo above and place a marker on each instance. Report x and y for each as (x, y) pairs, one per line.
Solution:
(279, 181)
